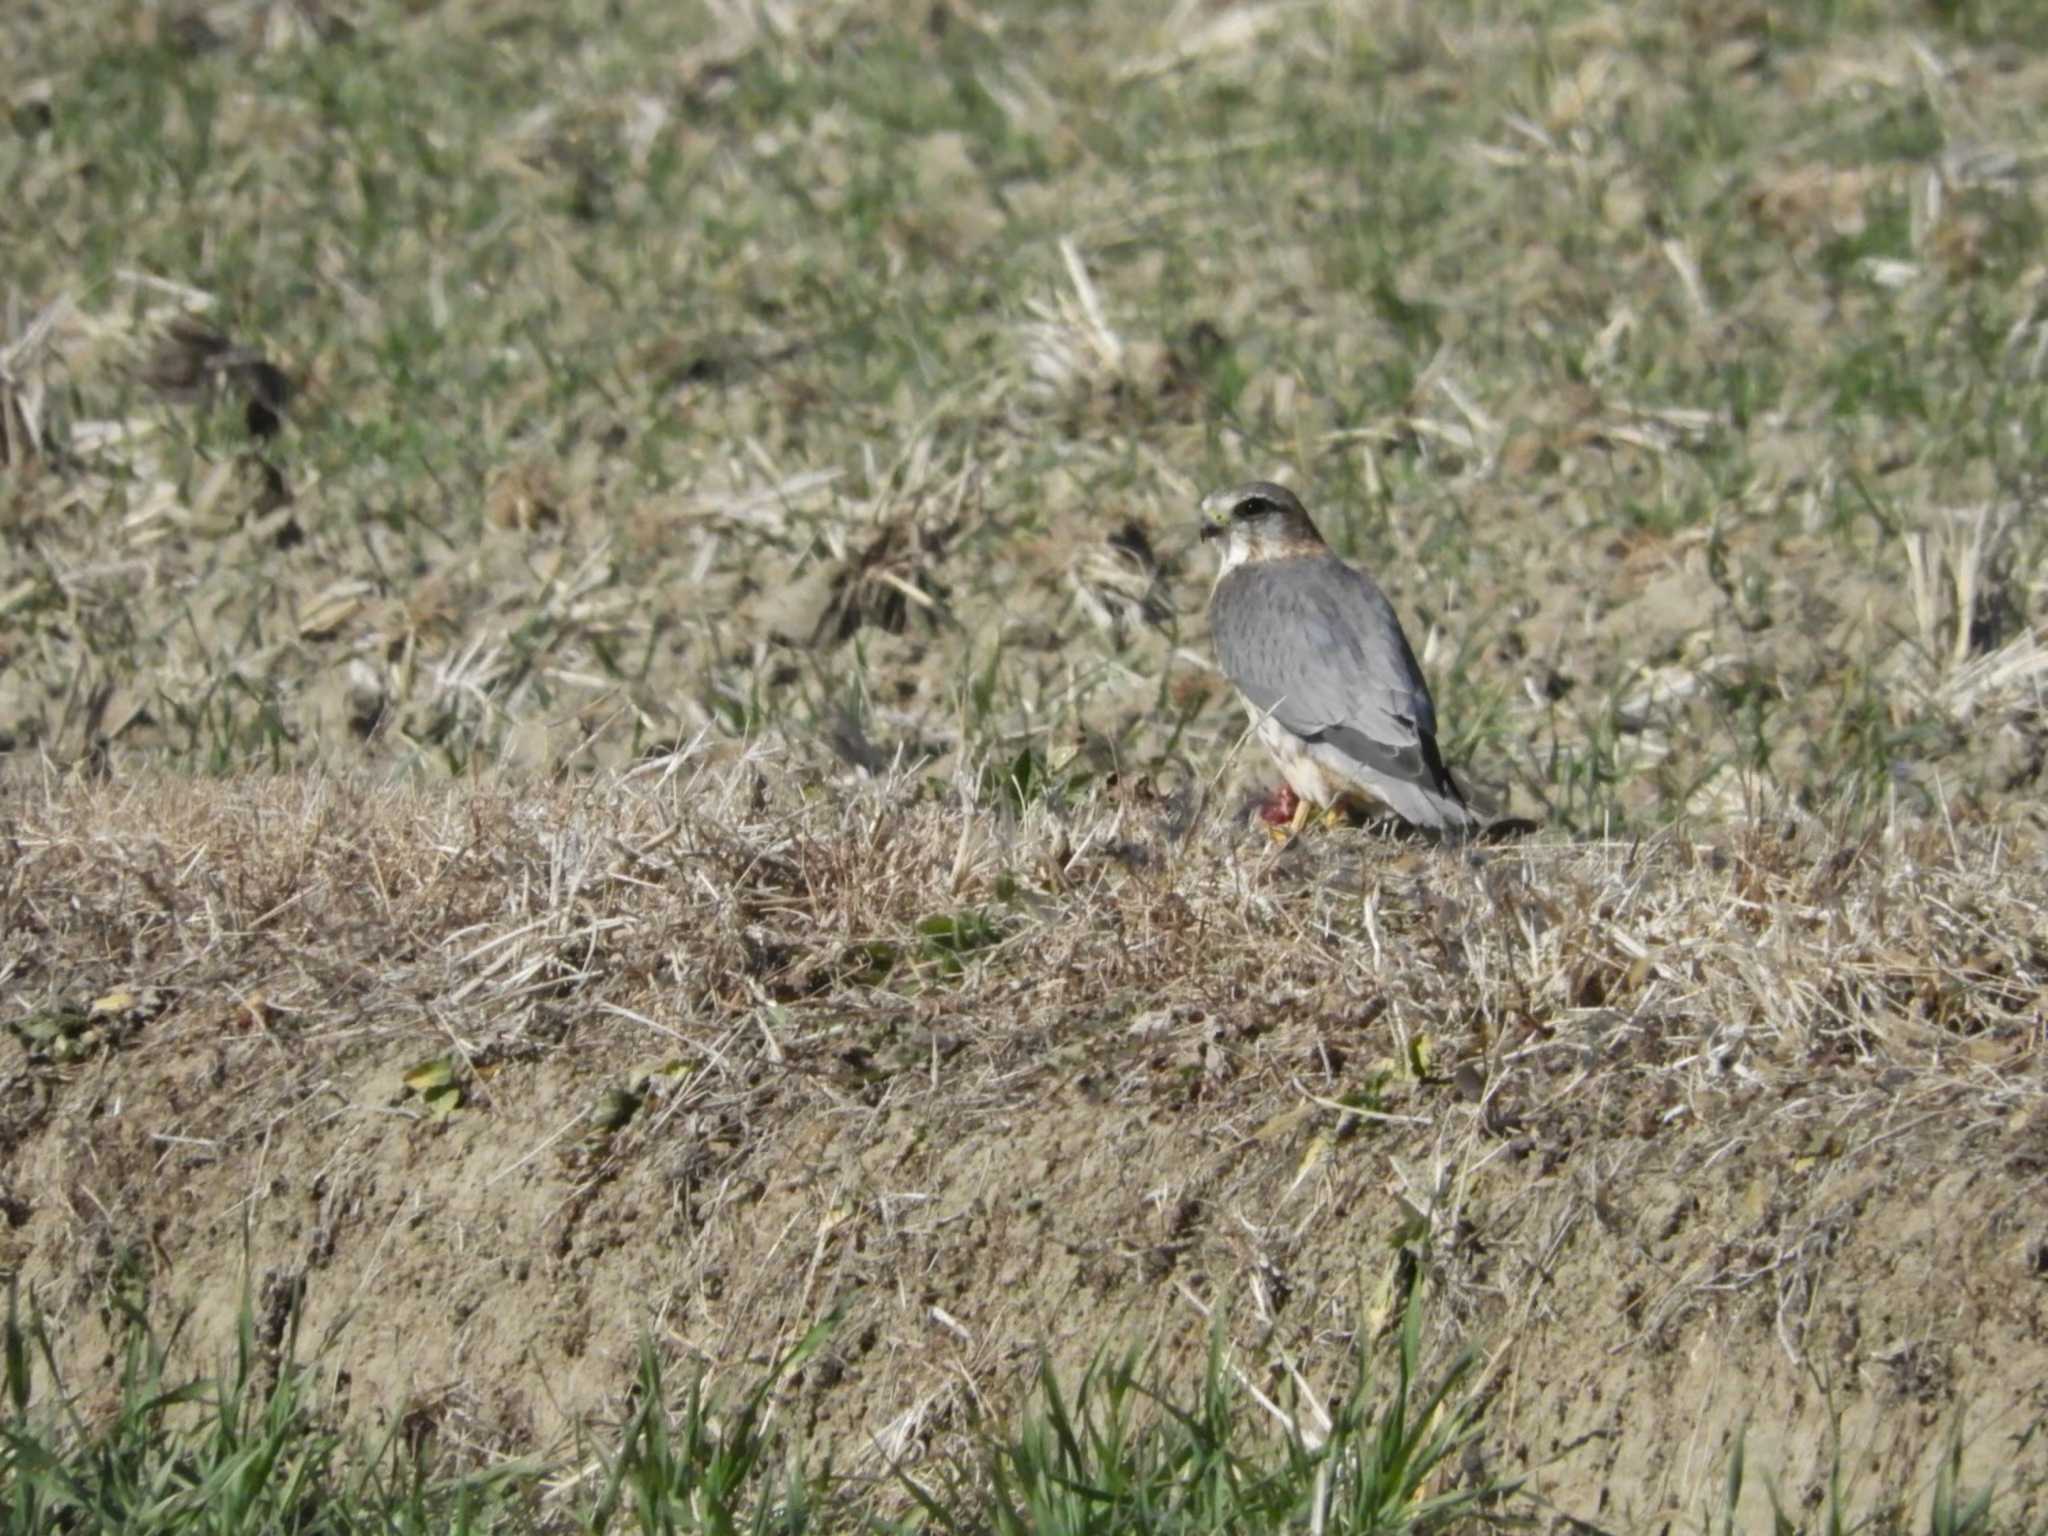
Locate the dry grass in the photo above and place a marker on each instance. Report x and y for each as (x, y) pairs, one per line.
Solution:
(700, 891)
(745, 1040)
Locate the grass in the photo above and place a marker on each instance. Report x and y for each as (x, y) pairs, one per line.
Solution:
(253, 1450)
(625, 355)
(1951, 1509)
(635, 564)
(248, 1450)
(1113, 1455)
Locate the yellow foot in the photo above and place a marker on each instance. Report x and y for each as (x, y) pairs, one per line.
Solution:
(1303, 810)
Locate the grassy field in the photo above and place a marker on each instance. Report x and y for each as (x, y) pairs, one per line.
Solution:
(601, 650)
(632, 373)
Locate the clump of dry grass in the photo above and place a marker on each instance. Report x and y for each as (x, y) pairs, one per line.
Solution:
(700, 892)
(708, 887)
(23, 390)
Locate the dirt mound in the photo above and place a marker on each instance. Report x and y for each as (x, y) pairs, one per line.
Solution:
(1683, 1136)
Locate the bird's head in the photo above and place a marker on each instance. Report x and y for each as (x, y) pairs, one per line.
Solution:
(1260, 521)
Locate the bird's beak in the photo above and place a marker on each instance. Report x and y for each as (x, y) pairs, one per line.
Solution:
(1215, 515)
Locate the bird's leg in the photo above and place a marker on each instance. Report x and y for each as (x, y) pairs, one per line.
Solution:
(1278, 808)
(1303, 810)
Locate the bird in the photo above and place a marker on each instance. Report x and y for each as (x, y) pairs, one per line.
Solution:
(1317, 654)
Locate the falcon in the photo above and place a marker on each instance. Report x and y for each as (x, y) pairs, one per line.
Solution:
(1330, 681)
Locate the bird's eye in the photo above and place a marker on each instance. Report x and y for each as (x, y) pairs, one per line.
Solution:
(1253, 506)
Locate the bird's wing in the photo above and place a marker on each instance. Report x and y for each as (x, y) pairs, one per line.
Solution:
(1316, 645)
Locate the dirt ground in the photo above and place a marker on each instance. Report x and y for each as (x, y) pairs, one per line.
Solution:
(1684, 1137)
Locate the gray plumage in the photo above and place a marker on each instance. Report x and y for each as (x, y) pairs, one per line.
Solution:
(1316, 650)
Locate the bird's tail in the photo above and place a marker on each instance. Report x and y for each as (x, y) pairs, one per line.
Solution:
(1432, 808)
(1439, 804)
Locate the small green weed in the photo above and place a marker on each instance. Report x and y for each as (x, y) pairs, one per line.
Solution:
(948, 940)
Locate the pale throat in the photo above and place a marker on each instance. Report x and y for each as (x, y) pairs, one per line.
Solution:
(1236, 550)
(1241, 548)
